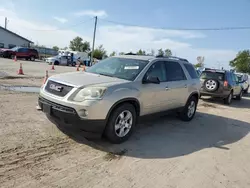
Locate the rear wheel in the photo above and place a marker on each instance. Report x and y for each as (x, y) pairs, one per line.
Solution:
(228, 100)
(246, 90)
(56, 63)
(32, 58)
(121, 123)
(189, 110)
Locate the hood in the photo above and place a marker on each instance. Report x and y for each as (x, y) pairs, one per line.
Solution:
(54, 57)
(4, 49)
(81, 79)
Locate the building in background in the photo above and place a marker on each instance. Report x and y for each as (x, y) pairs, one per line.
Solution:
(9, 39)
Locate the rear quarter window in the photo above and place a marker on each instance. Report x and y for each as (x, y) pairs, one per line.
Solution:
(192, 72)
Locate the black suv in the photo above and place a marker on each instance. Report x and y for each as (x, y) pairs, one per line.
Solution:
(220, 83)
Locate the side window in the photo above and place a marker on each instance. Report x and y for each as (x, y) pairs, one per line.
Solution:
(174, 71)
(1, 45)
(157, 69)
(236, 78)
(229, 78)
(192, 72)
(11, 46)
(20, 50)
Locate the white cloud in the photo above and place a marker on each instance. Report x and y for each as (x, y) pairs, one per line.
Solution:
(99, 13)
(121, 38)
(62, 20)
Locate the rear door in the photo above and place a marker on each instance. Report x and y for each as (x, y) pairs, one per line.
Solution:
(177, 84)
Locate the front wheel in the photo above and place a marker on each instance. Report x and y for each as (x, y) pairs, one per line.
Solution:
(239, 97)
(189, 110)
(121, 123)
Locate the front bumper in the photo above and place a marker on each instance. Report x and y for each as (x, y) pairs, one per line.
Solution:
(67, 116)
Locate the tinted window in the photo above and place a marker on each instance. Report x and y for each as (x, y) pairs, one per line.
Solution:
(1, 45)
(229, 78)
(212, 75)
(174, 71)
(23, 50)
(123, 68)
(11, 46)
(235, 78)
(158, 70)
(192, 72)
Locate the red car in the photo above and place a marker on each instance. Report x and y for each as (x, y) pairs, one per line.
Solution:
(20, 52)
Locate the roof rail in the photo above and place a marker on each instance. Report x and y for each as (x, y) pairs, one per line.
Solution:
(172, 57)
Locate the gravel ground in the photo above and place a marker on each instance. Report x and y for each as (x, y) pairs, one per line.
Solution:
(210, 151)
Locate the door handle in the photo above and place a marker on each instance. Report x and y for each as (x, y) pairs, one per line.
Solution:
(185, 85)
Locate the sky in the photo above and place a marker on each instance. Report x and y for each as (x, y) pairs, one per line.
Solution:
(131, 25)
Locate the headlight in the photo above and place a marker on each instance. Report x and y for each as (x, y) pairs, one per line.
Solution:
(89, 93)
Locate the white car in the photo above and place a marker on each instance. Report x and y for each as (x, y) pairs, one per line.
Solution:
(244, 81)
(61, 60)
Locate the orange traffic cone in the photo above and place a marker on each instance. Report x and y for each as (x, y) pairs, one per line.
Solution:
(20, 71)
(53, 67)
(15, 59)
(83, 68)
(46, 77)
(77, 69)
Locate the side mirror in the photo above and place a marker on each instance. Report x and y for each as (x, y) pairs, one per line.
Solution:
(151, 79)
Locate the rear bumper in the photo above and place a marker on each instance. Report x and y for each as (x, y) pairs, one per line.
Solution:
(221, 94)
(66, 116)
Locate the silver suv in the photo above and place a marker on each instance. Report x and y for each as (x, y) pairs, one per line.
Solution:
(110, 97)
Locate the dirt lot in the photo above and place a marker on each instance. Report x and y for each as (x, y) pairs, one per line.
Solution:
(211, 151)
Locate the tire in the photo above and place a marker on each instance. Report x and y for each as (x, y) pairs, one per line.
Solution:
(211, 85)
(187, 114)
(246, 90)
(229, 98)
(73, 64)
(12, 56)
(32, 58)
(112, 132)
(56, 63)
(239, 97)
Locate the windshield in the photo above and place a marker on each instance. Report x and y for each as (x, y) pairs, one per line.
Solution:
(123, 68)
(212, 75)
(14, 49)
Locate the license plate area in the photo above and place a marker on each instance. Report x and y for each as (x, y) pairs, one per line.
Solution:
(46, 108)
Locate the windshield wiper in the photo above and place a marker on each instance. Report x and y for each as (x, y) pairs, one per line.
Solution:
(106, 75)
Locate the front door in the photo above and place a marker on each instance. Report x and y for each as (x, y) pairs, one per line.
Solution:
(237, 87)
(156, 97)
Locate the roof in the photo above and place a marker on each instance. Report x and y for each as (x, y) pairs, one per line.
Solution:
(139, 57)
(15, 34)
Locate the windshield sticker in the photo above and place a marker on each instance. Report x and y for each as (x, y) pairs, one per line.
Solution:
(131, 67)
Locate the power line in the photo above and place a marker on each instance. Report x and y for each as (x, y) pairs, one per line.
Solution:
(182, 29)
(61, 28)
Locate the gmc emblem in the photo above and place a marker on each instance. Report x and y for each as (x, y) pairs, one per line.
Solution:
(56, 88)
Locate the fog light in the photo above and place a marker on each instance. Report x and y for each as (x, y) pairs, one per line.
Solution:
(83, 113)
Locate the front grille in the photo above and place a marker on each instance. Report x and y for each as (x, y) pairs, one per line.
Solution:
(57, 88)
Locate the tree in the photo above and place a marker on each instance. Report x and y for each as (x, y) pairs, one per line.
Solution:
(141, 52)
(160, 52)
(77, 44)
(121, 53)
(112, 54)
(152, 52)
(242, 62)
(198, 65)
(168, 52)
(99, 53)
(56, 48)
(65, 48)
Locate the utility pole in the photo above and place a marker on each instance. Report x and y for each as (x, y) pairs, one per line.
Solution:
(93, 45)
(5, 23)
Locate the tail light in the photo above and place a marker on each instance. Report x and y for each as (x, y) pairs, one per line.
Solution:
(225, 83)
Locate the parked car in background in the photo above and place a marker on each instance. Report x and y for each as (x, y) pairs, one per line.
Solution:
(20, 52)
(61, 60)
(244, 81)
(220, 83)
(110, 96)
